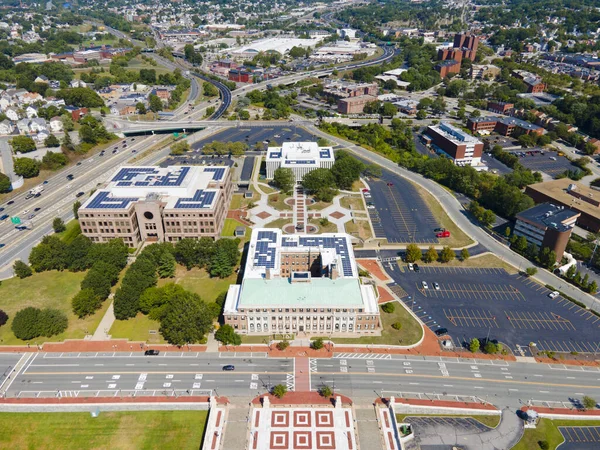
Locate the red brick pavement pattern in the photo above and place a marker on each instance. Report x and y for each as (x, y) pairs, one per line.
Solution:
(566, 411)
(280, 419)
(301, 398)
(349, 436)
(324, 419)
(384, 295)
(218, 421)
(325, 440)
(337, 214)
(302, 374)
(279, 440)
(302, 440)
(385, 417)
(239, 215)
(391, 441)
(373, 268)
(347, 419)
(302, 419)
(263, 215)
(255, 440)
(213, 444)
(257, 419)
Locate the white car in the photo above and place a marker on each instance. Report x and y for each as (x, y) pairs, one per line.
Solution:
(370, 206)
(436, 286)
(411, 266)
(424, 284)
(553, 294)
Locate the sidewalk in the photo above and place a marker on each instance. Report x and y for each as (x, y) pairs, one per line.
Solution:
(101, 333)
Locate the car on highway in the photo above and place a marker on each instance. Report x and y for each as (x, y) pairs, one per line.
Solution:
(1, 209)
(416, 267)
(10, 202)
(115, 151)
(25, 211)
(28, 196)
(229, 367)
(36, 209)
(441, 331)
(436, 286)
(2, 245)
(21, 227)
(151, 352)
(70, 176)
(79, 194)
(553, 294)
(424, 284)
(4, 217)
(443, 234)
(45, 182)
(79, 163)
(30, 216)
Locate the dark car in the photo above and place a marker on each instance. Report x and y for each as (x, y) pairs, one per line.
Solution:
(151, 352)
(11, 202)
(439, 230)
(390, 184)
(70, 176)
(441, 331)
(79, 163)
(4, 217)
(79, 194)
(2, 245)
(36, 209)
(229, 367)
(1, 209)
(45, 182)
(416, 267)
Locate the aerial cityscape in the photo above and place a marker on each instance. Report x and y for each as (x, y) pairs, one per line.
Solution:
(285, 225)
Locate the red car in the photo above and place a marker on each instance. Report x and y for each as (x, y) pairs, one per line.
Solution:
(443, 234)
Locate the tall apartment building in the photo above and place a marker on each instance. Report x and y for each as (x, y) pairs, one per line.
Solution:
(158, 204)
(547, 225)
(464, 47)
(464, 149)
(301, 157)
(301, 284)
(468, 43)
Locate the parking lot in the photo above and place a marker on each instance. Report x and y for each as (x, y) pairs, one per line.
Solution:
(580, 438)
(512, 309)
(543, 163)
(253, 135)
(400, 214)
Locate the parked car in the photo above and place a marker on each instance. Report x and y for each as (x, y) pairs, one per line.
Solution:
(411, 266)
(441, 331)
(436, 286)
(553, 294)
(229, 367)
(416, 267)
(424, 284)
(151, 352)
(443, 234)
(390, 184)
(439, 230)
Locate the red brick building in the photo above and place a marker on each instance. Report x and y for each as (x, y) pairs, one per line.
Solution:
(354, 105)
(240, 76)
(500, 107)
(506, 126)
(446, 67)
(464, 149)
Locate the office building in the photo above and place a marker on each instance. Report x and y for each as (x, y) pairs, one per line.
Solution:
(158, 204)
(464, 149)
(506, 126)
(448, 66)
(577, 197)
(301, 157)
(354, 105)
(500, 107)
(547, 225)
(301, 284)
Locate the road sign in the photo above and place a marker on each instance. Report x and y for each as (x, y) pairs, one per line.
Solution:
(16, 220)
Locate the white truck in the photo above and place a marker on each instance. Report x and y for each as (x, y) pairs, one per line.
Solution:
(35, 192)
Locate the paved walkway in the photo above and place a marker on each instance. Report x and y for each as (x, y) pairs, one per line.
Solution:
(504, 436)
(101, 333)
(299, 210)
(369, 435)
(212, 345)
(236, 427)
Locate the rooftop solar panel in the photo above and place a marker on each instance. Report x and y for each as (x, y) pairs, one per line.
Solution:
(103, 201)
(201, 199)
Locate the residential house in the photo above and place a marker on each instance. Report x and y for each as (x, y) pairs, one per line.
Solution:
(52, 101)
(23, 126)
(5, 101)
(6, 127)
(42, 136)
(56, 125)
(31, 112)
(12, 114)
(42, 79)
(38, 124)
(78, 83)
(31, 97)
(163, 94)
(78, 113)
(127, 111)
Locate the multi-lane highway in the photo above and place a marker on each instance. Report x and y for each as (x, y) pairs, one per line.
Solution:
(356, 375)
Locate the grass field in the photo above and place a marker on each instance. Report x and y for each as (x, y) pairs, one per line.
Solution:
(277, 201)
(361, 229)
(229, 227)
(137, 329)
(46, 290)
(457, 237)
(278, 223)
(480, 262)
(354, 203)
(410, 332)
(547, 430)
(329, 228)
(73, 230)
(489, 421)
(318, 206)
(114, 430)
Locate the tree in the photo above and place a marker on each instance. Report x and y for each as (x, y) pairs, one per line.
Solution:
(388, 110)
(346, 170)
(526, 140)
(209, 89)
(187, 320)
(156, 103)
(21, 269)
(166, 265)
(3, 318)
(475, 113)
(67, 122)
(388, 307)
(227, 335)
(23, 144)
(141, 108)
(244, 114)
(25, 325)
(58, 225)
(318, 179)
(492, 348)
(76, 207)
(544, 445)
(588, 402)
(140, 276)
(67, 143)
(421, 114)
(224, 258)
(413, 253)
(279, 390)
(51, 141)
(180, 147)
(397, 325)
(85, 303)
(281, 346)
(520, 244)
(474, 345)
(325, 391)
(98, 281)
(284, 179)
(26, 167)
(54, 160)
(464, 254)
(50, 254)
(52, 322)
(447, 254)
(431, 255)
(317, 344)
(547, 258)
(531, 271)
(373, 170)
(5, 184)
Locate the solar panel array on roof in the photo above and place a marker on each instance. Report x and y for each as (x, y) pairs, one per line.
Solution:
(266, 249)
(324, 153)
(126, 177)
(172, 179)
(103, 201)
(201, 199)
(275, 155)
(218, 172)
(301, 161)
(128, 173)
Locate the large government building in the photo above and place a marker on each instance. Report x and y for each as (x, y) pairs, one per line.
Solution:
(301, 284)
(158, 204)
(301, 157)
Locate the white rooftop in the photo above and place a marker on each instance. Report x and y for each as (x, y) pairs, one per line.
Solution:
(456, 135)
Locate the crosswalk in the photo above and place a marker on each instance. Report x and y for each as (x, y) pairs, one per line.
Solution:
(362, 356)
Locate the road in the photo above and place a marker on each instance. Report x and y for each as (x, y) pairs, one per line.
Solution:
(456, 212)
(357, 375)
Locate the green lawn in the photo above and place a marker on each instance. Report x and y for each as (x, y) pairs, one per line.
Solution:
(277, 201)
(110, 430)
(488, 421)
(360, 228)
(547, 430)
(278, 223)
(137, 329)
(73, 230)
(410, 333)
(329, 228)
(355, 203)
(318, 206)
(42, 290)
